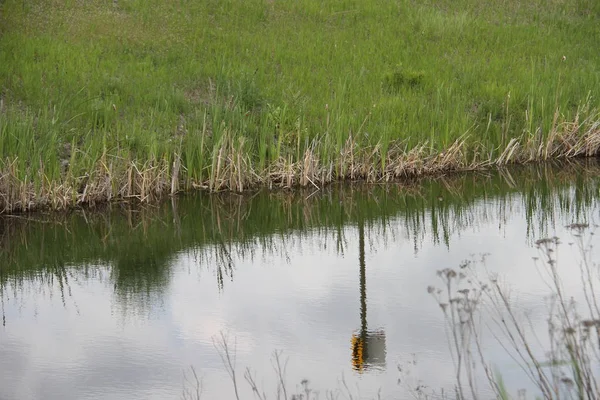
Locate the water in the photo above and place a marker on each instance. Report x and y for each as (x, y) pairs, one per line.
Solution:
(120, 303)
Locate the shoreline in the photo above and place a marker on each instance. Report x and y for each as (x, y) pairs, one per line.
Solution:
(151, 181)
(131, 101)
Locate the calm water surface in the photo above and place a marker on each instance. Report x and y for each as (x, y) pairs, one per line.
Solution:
(119, 304)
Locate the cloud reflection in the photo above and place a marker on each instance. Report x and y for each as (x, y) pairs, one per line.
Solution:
(339, 291)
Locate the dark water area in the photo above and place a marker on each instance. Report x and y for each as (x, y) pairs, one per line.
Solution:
(120, 303)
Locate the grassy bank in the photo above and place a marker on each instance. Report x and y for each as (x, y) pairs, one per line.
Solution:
(132, 99)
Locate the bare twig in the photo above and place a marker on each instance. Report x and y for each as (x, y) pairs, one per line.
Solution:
(221, 343)
(192, 386)
(280, 371)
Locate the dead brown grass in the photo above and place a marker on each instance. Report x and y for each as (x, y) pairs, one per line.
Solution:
(116, 179)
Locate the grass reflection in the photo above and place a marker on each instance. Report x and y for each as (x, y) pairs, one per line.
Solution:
(136, 247)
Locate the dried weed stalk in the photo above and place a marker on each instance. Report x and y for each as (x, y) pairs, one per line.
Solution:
(568, 368)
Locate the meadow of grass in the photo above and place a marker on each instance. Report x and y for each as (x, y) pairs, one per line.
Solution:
(102, 100)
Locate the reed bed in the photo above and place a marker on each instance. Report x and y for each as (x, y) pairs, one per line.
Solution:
(116, 178)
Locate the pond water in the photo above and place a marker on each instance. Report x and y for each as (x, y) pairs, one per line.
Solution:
(121, 303)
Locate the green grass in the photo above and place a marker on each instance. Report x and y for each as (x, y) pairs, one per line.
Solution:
(230, 94)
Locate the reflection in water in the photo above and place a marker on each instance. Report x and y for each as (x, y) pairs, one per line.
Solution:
(134, 295)
(140, 244)
(368, 348)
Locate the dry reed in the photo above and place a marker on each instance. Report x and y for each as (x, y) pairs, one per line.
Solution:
(118, 179)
